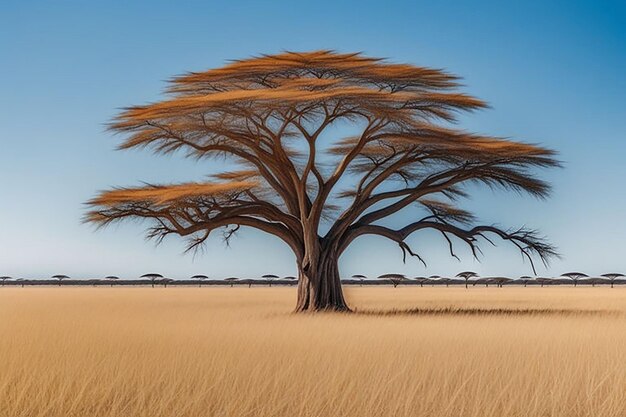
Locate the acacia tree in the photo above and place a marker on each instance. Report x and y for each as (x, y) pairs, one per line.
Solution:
(575, 276)
(112, 279)
(421, 280)
(4, 278)
(466, 275)
(612, 277)
(360, 277)
(328, 146)
(395, 279)
(60, 278)
(200, 278)
(291, 279)
(269, 278)
(153, 277)
(525, 279)
(231, 280)
(500, 281)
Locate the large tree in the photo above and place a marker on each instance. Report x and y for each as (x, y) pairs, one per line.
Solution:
(327, 147)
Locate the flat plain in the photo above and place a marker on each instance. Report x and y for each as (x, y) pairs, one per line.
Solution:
(220, 351)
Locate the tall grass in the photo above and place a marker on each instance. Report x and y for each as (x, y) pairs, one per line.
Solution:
(238, 352)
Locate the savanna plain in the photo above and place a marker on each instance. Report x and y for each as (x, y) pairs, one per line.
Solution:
(221, 351)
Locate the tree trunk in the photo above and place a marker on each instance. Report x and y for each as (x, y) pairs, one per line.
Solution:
(319, 285)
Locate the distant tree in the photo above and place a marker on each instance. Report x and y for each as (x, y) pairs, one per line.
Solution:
(200, 278)
(94, 281)
(612, 277)
(360, 277)
(5, 278)
(395, 279)
(466, 275)
(484, 280)
(421, 280)
(60, 278)
(273, 114)
(152, 277)
(500, 281)
(112, 279)
(291, 279)
(575, 276)
(269, 278)
(445, 280)
(22, 281)
(525, 279)
(433, 279)
(166, 281)
(231, 280)
(543, 281)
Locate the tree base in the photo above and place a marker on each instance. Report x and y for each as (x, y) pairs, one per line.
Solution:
(321, 291)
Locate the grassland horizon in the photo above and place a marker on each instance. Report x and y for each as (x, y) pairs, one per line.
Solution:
(513, 351)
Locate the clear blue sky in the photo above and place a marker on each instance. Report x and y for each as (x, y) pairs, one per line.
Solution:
(554, 73)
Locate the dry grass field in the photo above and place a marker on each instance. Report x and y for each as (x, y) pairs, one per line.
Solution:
(483, 352)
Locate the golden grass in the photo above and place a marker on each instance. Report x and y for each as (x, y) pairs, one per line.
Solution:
(238, 352)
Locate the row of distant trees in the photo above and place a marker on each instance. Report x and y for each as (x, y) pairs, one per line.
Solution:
(154, 279)
(470, 277)
(466, 277)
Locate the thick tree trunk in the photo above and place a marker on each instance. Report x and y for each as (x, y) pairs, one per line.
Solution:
(319, 285)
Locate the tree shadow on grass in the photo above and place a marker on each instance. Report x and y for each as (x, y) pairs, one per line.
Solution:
(480, 311)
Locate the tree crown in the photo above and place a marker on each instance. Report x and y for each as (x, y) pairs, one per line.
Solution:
(271, 116)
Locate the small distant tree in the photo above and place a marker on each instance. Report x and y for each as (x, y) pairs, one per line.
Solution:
(231, 280)
(612, 277)
(166, 281)
(153, 277)
(421, 280)
(500, 281)
(433, 279)
(269, 278)
(543, 281)
(200, 278)
(360, 277)
(445, 280)
(525, 279)
(485, 281)
(275, 117)
(60, 278)
(94, 281)
(291, 280)
(112, 279)
(575, 276)
(5, 278)
(466, 275)
(22, 281)
(395, 279)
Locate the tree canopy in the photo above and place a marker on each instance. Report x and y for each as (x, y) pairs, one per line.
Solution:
(276, 118)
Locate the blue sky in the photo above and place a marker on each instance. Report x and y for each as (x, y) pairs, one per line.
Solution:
(553, 72)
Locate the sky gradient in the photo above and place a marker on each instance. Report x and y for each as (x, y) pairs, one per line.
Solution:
(553, 72)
